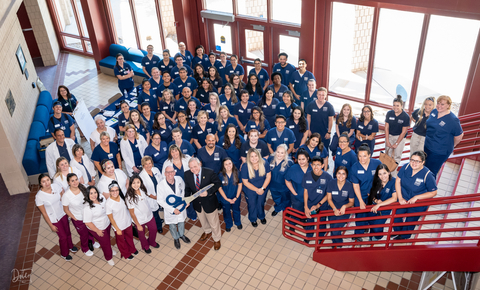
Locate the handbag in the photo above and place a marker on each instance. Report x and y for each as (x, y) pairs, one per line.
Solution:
(389, 161)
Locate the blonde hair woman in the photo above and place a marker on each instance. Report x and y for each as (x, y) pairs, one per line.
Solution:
(133, 147)
(256, 177)
(223, 119)
(63, 169)
(420, 117)
(279, 163)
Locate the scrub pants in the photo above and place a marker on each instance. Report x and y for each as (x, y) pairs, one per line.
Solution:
(337, 225)
(434, 161)
(371, 144)
(228, 208)
(417, 143)
(256, 205)
(377, 222)
(84, 234)
(408, 219)
(326, 142)
(360, 215)
(177, 230)
(104, 242)
(152, 234)
(281, 199)
(191, 213)
(158, 219)
(323, 226)
(64, 235)
(296, 204)
(125, 242)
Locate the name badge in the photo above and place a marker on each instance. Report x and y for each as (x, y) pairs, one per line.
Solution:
(136, 146)
(339, 153)
(66, 122)
(165, 149)
(308, 182)
(261, 76)
(57, 125)
(224, 103)
(252, 126)
(360, 126)
(291, 126)
(297, 81)
(162, 132)
(184, 150)
(433, 115)
(274, 139)
(66, 105)
(391, 118)
(318, 154)
(200, 132)
(314, 110)
(373, 172)
(110, 155)
(209, 130)
(165, 108)
(216, 159)
(282, 108)
(387, 190)
(319, 190)
(147, 63)
(182, 107)
(240, 111)
(156, 154)
(146, 100)
(361, 172)
(285, 139)
(280, 94)
(344, 162)
(334, 192)
(189, 84)
(287, 71)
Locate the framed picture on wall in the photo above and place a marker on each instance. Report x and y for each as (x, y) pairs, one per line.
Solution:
(21, 58)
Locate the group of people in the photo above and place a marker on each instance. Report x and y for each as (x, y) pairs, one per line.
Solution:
(249, 138)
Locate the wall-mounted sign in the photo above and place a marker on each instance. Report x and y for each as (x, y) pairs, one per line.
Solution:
(10, 103)
(222, 39)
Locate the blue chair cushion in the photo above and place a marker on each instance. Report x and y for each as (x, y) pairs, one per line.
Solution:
(135, 55)
(37, 131)
(31, 159)
(117, 48)
(108, 62)
(45, 99)
(42, 115)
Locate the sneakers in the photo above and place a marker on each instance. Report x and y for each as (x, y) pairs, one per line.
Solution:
(254, 224)
(74, 250)
(88, 253)
(148, 251)
(67, 258)
(90, 245)
(111, 262)
(130, 258)
(96, 245)
(274, 213)
(264, 221)
(228, 230)
(239, 227)
(114, 252)
(136, 253)
(156, 246)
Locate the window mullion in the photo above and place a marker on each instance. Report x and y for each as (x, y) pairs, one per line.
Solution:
(135, 23)
(371, 56)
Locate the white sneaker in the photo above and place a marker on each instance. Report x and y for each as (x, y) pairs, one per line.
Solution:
(110, 262)
(96, 245)
(88, 253)
(114, 252)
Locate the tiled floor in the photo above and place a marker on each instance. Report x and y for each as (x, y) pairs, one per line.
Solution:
(252, 258)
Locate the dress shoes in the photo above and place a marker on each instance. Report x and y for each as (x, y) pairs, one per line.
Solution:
(185, 239)
(216, 245)
(176, 243)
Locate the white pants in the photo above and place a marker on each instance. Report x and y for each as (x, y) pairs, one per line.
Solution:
(397, 152)
(417, 143)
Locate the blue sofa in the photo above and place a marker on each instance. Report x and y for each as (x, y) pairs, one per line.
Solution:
(34, 159)
(132, 56)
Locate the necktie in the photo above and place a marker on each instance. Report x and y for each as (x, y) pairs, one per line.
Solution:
(197, 182)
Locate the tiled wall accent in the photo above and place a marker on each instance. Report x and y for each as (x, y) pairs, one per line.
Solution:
(361, 39)
(43, 30)
(14, 129)
(168, 19)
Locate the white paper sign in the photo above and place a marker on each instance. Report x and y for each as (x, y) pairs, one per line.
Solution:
(84, 119)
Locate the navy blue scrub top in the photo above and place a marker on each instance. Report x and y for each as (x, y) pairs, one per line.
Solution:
(68, 105)
(286, 72)
(243, 113)
(397, 123)
(228, 187)
(158, 156)
(316, 190)
(173, 87)
(261, 147)
(295, 176)
(186, 147)
(306, 98)
(347, 160)
(270, 111)
(319, 117)
(201, 135)
(422, 182)
(214, 161)
(189, 82)
(286, 137)
(186, 131)
(167, 67)
(223, 126)
(99, 154)
(232, 151)
(175, 72)
(340, 196)
(169, 109)
(262, 76)
(228, 103)
(150, 63)
(279, 171)
(165, 134)
(257, 181)
(137, 157)
(125, 84)
(279, 94)
(296, 131)
(421, 128)
(363, 177)
(440, 133)
(64, 123)
(285, 111)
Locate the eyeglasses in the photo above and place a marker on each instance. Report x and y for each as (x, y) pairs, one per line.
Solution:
(366, 111)
(342, 141)
(169, 172)
(416, 161)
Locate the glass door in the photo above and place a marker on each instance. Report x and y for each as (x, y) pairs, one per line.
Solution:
(286, 40)
(221, 37)
(253, 47)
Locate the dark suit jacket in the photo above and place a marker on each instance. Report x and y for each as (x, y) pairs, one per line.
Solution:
(210, 202)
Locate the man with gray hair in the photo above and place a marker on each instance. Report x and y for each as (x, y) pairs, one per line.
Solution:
(206, 204)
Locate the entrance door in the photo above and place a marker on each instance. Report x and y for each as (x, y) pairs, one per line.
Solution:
(253, 45)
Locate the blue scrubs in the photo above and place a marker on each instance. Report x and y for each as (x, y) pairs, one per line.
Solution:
(364, 178)
(228, 103)
(142, 131)
(421, 128)
(211, 113)
(397, 123)
(278, 189)
(137, 157)
(316, 151)
(319, 119)
(295, 175)
(186, 147)
(383, 195)
(217, 84)
(222, 70)
(204, 61)
(342, 127)
(214, 161)
(64, 123)
(347, 160)
(179, 171)
(371, 127)
(158, 156)
(286, 137)
(187, 58)
(230, 190)
(150, 99)
(296, 131)
(167, 108)
(182, 105)
(150, 121)
(306, 98)
(299, 83)
(223, 126)
(63, 151)
(154, 85)
(243, 113)
(316, 190)
(255, 202)
(204, 96)
(420, 183)
(340, 197)
(189, 82)
(150, 63)
(270, 111)
(175, 72)
(286, 72)
(201, 134)
(168, 67)
(122, 120)
(208, 64)
(186, 131)
(99, 154)
(439, 139)
(192, 118)
(285, 111)
(68, 105)
(165, 134)
(126, 84)
(232, 151)
(238, 70)
(261, 147)
(262, 76)
(252, 125)
(173, 87)
(279, 94)
(254, 97)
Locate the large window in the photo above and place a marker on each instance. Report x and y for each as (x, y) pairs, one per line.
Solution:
(432, 63)
(139, 23)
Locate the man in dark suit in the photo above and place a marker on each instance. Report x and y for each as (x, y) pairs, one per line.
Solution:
(206, 204)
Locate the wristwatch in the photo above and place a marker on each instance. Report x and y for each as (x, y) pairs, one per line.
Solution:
(263, 188)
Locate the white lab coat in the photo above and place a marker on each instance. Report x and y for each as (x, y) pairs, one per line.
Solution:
(88, 164)
(52, 154)
(147, 181)
(127, 152)
(164, 190)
